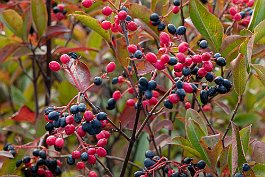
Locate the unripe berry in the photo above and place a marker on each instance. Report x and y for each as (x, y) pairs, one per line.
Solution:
(69, 119)
(106, 133)
(69, 129)
(130, 102)
(59, 142)
(91, 151)
(187, 105)
(183, 47)
(87, 3)
(102, 142)
(120, 79)
(81, 132)
(76, 154)
(132, 26)
(64, 58)
(159, 65)
(106, 25)
(50, 140)
(237, 17)
(250, 3)
(202, 72)
(208, 66)
(173, 98)
(188, 62)
(187, 87)
(92, 174)
(181, 57)
(116, 95)
(91, 159)
(80, 165)
(175, 9)
(207, 108)
(132, 48)
(165, 58)
(110, 67)
(164, 39)
(153, 101)
(232, 11)
(54, 66)
(101, 152)
(206, 56)
(131, 90)
(197, 58)
(122, 15)
(88, 115)
(151, 57)
(178, 67)
(107, 11)
(100, 136)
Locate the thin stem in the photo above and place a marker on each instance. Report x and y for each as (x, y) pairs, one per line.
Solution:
(214, 5)
(182, 19)
(204, 115)
(105, 168)
(232, 118)
(118, 129)
(24, 70)
(35, 87)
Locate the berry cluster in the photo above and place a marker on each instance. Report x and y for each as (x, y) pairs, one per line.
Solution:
(39, 164)
(59, 11)
(153, 163)
(241, 11)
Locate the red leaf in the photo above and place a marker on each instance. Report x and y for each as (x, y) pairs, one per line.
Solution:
(6, 51)
(79, 75)
(24, 114)
(6, 154)
(62, 50)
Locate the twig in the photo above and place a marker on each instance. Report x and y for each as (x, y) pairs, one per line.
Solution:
(122, 160)
(214, 5)
(105, 168)
(35, 87)
(232, 118)
(182, 19)
(205, 117)
(23, 69)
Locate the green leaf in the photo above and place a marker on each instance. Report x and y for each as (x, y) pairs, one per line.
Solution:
(230, 46)
(243, 119)
(160, 6)
(239, 70)
(260, 72)
(143, 146)
(258, 14)
(259, 170)
(13, 21)
(194, 134)
(94, 40)
(206, 23)
(185, 145)
(39, 15)
(259, 32)
(194, 115)
(94, 24)
(245, 137)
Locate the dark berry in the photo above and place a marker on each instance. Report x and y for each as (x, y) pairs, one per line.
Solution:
(221, 89)
(5, 148)
(62, 122)
(187, 160)
(96, 123)
(34, 169)
(40, 162)
(138, 54)
(179, 84)
(64, 12)
(221, 61)
(49, 126)
(97, 81)
(115, 80)
(181, 30)
(219, 80)
(48, 110)
(56, 123)
(154, 17)
(194, 71)
(13, 152)
(143, 82)
(86, 126)
(181, 93)
(217, 55)
(209, 175)
(228, 84)
(168, 104)
(176, 174)
(54, 115)
(191, 169)
(111, 103)
(238, 175)
(204, 86)
(74, 109)
(82, 107)
(204, 96)
(42, 154)
(155, 23)
(212, 91)
(128, 18)
(194, 87)
(152, 85)
(201, 164)
(148, 162)
(26, 159)
(73, 55)
(209, 77)
(161, 26)
(149, 154)
(18, 163)
(171, 29)
(58, 171)
(172, 61)
(245, 167)
(203, 44)
(101, 116)
(186, 71)
(204, 1)
(84, 156)
(36, 152)
(243, 14)
(78, 118)
(56, 10)
(176, 2)
(148, 94)
(138, 173)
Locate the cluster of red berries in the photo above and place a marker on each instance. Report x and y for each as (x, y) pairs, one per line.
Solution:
(153, 163)
(241, 11)
(59, 11)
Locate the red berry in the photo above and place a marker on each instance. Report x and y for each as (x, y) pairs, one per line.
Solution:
(106, 25)
(100, 136)
(232, 11)
(208, 66)
(162, 50)
(41, 171)
(206, 56)
(164, 39)
(88, 115)
(50, 140)
(181, 57)
(114, 28)
(59, 142)
(178, 74)
(178, 67)
(69, 129)
(207, 108)
(187, 87)
(202, 72)
(173, 98)
(145, 103)
(70, 119)
(48, 173)
(153, 101)
(80, 165)
(183, 47)
(81, 132)
(250, 3)
(131, 90)
(187, 105)
(54, 66)
(102, 142)
(92, 174)
(60, 7)
(91, 151)
(132, 26)
(116, 95)
(175, 9)
(122, 15)
(159, 65)
(132, 48)
(237, 17)
(110, 67)
(59, 16)
(151, 57)
(91, 159)
(236, 1)
(103, 123)
(130, 102)
(188, 61)
(120, 79)
(87, 3)
(197, 58)
(165, 58)
(64, 58)
(106, 133)
(155, 93)
(107, 11)
(76, 154)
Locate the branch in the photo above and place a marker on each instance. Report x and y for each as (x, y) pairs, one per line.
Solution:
(105, 168)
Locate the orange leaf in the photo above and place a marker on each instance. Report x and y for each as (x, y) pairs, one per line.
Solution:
(24, 114)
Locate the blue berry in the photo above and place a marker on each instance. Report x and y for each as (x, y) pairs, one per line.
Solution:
(154, 17)
(212, 91)
(203, 44)
(138, 54)
(48, 110)
(40, 162)
(186, 71)
(49, 126)
(84, 156)
(62, 122)
(209, 175)
(179, 84)
(36, 152)
(26, 159)
(171, 29)
(42, 154)
(181, 30)
(70, 160)
(86, 126)
(148, 163)
(221, 89)
(58, 171)
(155, 23)
(18, 163)
(82, 107)
(148, 94)
(128, 18)
(194, 71)
(176, 2)
(228, 84)
(34, 169)
(101, 116)
(74, 109)
(168, 104)
(201, 164)
(54, 115)
(221, 61)
(161, 26)
(115, 80)
(172, 61)
(219, 80)
(97, 81)
(78, 118)
(209, 77)
(238, 175)
(149, 154)
(56, 123)
(73, 55)
(204, 96)
(181, 93)
(217, 55)
(95, 123)
(138, 173)
(194, 87)
(187, 160)
(143, 82)
(111, 103)
(152, 85)
(176, 174)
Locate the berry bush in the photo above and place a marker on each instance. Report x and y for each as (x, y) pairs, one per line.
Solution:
(132, 88)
